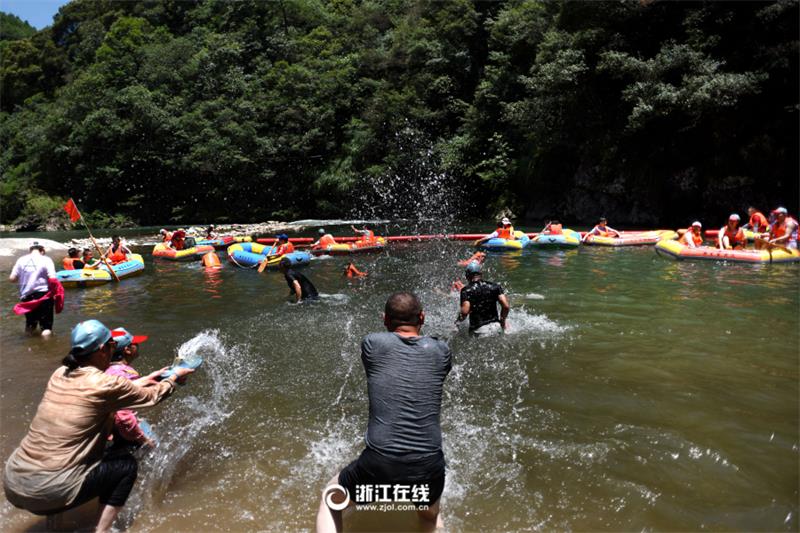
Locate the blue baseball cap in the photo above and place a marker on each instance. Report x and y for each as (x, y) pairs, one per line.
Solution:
(283, 236)
(473, 267)
(88, 337)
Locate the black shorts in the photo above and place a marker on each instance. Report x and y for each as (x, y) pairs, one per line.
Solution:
(419, 480)
(112, 481)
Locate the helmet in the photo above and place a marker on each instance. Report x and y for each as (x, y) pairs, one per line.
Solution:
(697, 223)
(734, 217)
(505, 221)
(88, 337)
(473, 268)
(282, 237)
(782, 211)
(321, 231)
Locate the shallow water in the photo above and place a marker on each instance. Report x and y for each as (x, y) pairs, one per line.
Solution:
(630, 393)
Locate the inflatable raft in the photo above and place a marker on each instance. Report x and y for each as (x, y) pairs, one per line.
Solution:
(89, 277)
(566, 239)
(505, 245)
(679, 251)
(221, 243)
(632, 238)
(357, 247)
(195, 253)
(251, 254)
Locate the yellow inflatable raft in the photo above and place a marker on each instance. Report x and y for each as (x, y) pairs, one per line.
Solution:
(679, 251)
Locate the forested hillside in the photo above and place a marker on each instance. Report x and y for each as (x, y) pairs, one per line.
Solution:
(653, 113)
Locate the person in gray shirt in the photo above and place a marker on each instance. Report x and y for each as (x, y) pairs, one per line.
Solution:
(403, 462)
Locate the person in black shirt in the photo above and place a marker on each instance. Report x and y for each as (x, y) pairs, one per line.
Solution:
(479, 301)
(299, 285)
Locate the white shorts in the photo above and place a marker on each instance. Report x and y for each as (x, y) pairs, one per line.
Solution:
(488, 330)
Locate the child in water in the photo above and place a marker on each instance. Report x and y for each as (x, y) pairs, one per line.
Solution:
(127, 430)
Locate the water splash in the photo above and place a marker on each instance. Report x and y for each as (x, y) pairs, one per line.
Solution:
(204, 402)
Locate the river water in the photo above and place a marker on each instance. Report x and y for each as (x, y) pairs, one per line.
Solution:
(631, 393)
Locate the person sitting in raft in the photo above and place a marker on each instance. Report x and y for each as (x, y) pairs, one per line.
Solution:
(553, 228)
(367, 235)
(731, 236)
(88, 259)
(60, 463)
(325, 240)
(177, 239)
(211, 233)
(284, 246)
(758, 224)
(165, 236)
(73, 260)
(299, 286)
(602, 229)
(127, 433)
(117, 252)
(352, 272)
(504, 231)
(784, 230)
(693, 238)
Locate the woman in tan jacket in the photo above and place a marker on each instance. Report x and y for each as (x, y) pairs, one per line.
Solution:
(60, 463)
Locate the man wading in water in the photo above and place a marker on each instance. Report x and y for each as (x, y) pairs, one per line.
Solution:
(479, 301)
(403, 462)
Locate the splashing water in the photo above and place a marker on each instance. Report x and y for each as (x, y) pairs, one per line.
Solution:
(193, 409)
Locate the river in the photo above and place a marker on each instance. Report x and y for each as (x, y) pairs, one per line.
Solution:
(631, 392)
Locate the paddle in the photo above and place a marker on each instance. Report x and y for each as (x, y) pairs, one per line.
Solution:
(263, 265)
(771, 245)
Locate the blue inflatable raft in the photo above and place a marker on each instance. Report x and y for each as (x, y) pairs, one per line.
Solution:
(251, 254)
(505, 245)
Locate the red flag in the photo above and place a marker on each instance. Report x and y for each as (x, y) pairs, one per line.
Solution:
(72, 210)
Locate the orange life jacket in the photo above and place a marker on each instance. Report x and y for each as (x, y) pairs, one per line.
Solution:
(68, 262)
(353, 272)
(779, 230)
(284, 249)
(117, 256)
(735, 237)
(690, 235)
(326, 240)
(555, 229)
(506, 233)
(477, 256)
(758, 221)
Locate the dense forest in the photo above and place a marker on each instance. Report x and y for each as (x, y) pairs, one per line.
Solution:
(171, 111)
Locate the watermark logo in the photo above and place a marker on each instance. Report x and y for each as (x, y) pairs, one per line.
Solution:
(336, 497)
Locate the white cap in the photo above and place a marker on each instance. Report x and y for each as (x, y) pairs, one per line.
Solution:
(734, 217)
(697, 223)
(505, 220)
(782, 210)
(321, 231)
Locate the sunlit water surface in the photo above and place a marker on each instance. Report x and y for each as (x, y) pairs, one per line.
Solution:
(631, 392)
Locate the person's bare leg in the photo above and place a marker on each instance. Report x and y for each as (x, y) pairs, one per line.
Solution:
(328, 520)
(431, 518)
(108, 514)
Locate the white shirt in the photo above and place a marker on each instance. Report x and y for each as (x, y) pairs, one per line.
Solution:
(33, 271)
